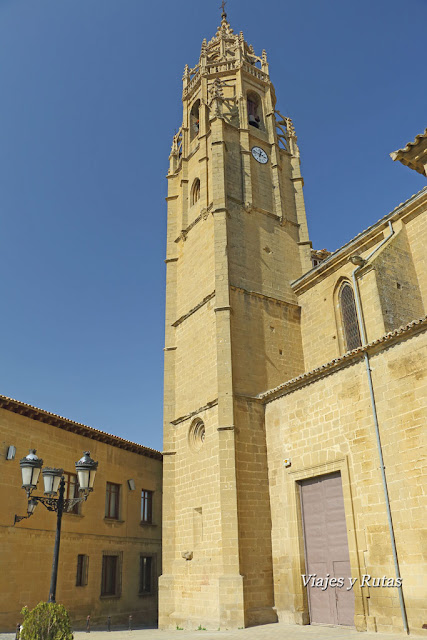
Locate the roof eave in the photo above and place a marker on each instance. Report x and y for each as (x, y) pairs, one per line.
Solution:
(34, 413)
(311, 277)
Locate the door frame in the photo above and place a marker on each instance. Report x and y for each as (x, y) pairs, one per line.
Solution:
(340, 464)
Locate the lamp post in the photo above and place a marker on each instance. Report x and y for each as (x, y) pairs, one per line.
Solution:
(53, 479)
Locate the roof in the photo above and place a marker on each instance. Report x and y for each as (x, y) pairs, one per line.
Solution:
(320, 254)
(414, 155)
(347, 249)
(329, 367)
(47, 417)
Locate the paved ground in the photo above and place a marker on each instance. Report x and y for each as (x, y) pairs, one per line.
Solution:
(265, 632)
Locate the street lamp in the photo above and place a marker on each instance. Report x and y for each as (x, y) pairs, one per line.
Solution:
(86, 471)
(32, 504)
(30, 469)
(53, 478)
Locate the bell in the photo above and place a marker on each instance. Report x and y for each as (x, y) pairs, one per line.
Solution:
(253, 122)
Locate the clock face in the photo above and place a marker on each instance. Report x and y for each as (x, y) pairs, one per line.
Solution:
(259, 155)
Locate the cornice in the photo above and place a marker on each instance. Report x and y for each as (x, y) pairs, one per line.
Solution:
(262, 296)
(194, 309)
(34, 413)
(187, 416)
(204, 215)
(387, 340)
(369, 235)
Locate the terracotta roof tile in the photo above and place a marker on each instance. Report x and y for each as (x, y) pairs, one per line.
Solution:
(327, 261)
(76, 427)
(409, 146)
(350, 355)
(405, 157)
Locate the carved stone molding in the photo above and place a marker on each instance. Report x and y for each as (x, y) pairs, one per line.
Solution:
(194, 309)
(188, 416)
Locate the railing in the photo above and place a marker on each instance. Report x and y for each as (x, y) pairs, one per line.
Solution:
(255, 72)
(192, 84)
(218, 67)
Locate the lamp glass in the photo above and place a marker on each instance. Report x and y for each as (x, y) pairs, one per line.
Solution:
(83, 476)
(92, 478)
(27, 474)
(51, 479)
(36, 474)
(56, 481)
(32, 504)
(48, 483)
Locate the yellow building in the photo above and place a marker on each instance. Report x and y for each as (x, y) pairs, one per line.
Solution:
(110, 553)
(295, 391)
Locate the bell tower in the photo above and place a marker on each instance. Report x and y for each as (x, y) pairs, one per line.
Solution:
(236, 237)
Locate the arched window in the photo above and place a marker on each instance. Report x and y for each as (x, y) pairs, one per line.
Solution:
(194, 120)
(254, 109)
(349, 317)
(195, 191)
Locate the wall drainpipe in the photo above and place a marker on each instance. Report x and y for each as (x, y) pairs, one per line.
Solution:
(361, 262)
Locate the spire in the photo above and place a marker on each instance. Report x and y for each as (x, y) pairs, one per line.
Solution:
(224, 30)
(224, 48)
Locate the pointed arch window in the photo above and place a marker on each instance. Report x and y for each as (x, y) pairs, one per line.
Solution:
(254, 109)
(194, 120)
(195, 191)
(349, 317)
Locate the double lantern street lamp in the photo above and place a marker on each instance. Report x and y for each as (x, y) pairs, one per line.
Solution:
(31, 466)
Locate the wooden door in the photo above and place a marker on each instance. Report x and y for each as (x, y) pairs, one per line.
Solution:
(326, 549)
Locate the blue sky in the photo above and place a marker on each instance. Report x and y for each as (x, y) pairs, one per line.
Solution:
(90, 100)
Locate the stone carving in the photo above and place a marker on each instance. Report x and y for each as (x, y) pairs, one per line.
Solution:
(177, 143)
(286, 135)
(221, 107)
(186, 75)
(216, 98)
(224, 52)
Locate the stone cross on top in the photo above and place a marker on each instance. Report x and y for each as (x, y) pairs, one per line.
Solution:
(223, 3)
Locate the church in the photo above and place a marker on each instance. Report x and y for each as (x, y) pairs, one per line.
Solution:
(291, 486)
(295, 380)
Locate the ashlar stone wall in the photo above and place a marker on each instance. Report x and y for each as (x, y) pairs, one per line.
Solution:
(324, 424)
(26, 549)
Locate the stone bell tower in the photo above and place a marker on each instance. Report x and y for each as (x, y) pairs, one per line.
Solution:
(236, 237)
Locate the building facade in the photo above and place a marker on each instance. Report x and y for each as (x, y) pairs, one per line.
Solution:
(110, 553)
(359, 409)
(288, 387)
